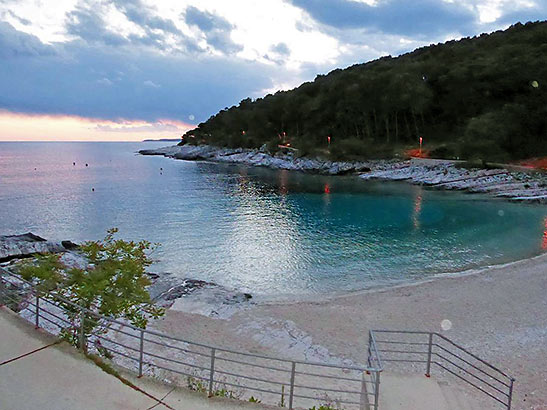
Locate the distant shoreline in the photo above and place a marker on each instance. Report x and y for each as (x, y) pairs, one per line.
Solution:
(514, 184)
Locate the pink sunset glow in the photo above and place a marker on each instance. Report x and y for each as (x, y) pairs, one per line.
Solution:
(42, 127)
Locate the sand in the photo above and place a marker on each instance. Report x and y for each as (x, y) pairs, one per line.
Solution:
(499, 313)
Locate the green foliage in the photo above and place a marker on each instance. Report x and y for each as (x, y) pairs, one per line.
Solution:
(113, 284)
(252, 399)
(323, 407)
(196, 384)
(200, 386)
(282, 400)
(485, 96)
(224, 392)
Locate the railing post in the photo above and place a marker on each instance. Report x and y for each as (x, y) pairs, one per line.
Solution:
(212, 372)
(82, 333)
(364, 403)
(369, 349)
(429, 351)
(3, 292)
(141, 353)
(376, 389)
(510, 394)
(291, 391)
(37, 321)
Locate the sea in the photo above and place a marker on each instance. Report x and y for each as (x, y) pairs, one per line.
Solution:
(268, 232)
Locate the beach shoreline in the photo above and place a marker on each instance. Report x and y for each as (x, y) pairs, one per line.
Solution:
(511, 183)
(495, 312)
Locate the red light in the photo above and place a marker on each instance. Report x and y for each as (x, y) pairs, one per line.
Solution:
(327, 189)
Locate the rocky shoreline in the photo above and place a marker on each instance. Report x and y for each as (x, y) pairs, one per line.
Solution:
(166, 289)
(514, 184)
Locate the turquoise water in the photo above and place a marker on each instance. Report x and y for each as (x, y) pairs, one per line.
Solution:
(268, 232)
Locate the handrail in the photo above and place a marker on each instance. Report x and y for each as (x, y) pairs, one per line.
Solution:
(140, 344)
(452, 366)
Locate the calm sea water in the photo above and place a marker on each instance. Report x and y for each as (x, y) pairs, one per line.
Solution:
(268, 232)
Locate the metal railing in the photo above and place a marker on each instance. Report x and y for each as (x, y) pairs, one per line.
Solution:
(424, 350)
(207, 368)
(219, 371)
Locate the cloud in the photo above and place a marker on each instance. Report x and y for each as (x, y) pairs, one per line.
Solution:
(206, 21)
(402, 17)
(15, 43)
(152, 127)
(19, 19)
(63, 79)
(281, 49)
(152, 84)
(217, 30)
(89, 25)
(104, 81)
(535, 12)
(140, 14)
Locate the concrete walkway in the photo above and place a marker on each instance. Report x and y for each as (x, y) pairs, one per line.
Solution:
(37, 372)
(417, 392)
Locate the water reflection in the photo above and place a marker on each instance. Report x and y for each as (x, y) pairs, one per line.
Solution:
(417, 208)
(266, 231)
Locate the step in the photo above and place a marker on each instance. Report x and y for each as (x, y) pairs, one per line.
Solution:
(410, 392)
(457, 399)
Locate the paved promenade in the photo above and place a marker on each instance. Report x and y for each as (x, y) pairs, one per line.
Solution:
(37, 372)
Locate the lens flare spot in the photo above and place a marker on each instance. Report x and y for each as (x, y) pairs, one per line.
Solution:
(446, 325)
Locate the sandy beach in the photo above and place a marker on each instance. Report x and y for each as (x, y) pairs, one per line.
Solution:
(499, 313)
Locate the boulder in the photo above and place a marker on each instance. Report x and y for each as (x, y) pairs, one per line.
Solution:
(25, 245)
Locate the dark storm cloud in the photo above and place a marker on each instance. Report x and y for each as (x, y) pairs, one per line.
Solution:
(111, 81)
(402, 17)
(217, 30)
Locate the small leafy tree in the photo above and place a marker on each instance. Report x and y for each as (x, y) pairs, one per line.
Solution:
(112, 284)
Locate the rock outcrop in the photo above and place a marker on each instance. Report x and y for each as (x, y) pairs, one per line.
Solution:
(259, 157)
(505, 183)
(28, 244)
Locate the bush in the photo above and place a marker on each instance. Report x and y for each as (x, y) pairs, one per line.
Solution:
(113, 284)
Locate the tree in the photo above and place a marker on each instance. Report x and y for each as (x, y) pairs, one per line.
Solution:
(113, 284)
(447, 93)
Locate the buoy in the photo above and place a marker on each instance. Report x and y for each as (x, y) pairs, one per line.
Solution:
(73, 163)
(86, 165)
(92, 189)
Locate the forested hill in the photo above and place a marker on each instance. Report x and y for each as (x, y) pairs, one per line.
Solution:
(482, 97)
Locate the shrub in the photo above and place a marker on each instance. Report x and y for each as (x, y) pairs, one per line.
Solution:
(113, 284)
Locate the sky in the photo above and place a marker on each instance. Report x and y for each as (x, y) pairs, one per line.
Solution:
(106, 70)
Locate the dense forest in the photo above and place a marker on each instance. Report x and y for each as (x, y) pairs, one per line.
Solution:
(477, 98)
